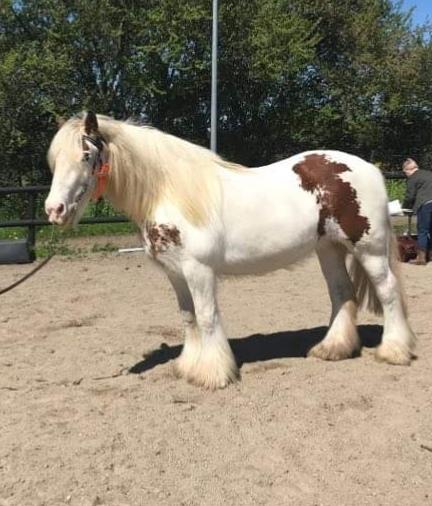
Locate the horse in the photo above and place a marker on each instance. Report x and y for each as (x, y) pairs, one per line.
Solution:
(201, 217)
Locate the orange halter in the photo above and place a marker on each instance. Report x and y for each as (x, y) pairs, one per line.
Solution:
(101, 181)
(102, 172)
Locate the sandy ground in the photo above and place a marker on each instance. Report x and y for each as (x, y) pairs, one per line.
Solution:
(91, 414)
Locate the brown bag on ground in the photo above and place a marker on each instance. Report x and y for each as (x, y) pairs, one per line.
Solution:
(407, 248)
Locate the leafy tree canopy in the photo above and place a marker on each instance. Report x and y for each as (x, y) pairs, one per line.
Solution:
(346, 74)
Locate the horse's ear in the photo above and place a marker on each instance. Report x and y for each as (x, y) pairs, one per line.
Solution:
(90, 123)
(60, 121)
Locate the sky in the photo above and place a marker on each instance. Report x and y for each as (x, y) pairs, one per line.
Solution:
(423, 10)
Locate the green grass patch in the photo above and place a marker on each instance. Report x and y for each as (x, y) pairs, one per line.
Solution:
(13, 233)
(104, 248)
(51, 239)
(45, 249)
(98, 229)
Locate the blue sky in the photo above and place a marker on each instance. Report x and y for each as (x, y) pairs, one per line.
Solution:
(423, 9)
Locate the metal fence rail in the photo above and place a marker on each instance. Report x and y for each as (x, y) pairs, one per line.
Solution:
(23, 189)
(394, 175)
(41, 223)
(33, 221)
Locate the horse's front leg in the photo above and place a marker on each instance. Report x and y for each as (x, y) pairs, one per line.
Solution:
(192, 344)
(216, 366)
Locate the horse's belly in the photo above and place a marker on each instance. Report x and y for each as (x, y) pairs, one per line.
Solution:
(267, 224)
(263, 247)
(259, 262)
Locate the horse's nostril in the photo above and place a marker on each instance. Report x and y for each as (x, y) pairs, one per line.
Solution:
(60, 209)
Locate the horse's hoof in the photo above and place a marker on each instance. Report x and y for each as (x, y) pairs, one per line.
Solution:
(212, 381)
(333, 351)
(180, 369)
(393, 353)
(184, 364)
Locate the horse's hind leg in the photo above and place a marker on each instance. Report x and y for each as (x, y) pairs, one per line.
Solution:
(398, 339)
(341, 340)
(192, 344)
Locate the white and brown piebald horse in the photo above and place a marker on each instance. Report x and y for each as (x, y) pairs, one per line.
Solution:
(201, 217)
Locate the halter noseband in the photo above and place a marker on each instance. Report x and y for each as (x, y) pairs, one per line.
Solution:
(100, 170)
(97, 143)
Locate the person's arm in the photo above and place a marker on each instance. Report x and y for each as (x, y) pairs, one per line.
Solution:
(410, 194)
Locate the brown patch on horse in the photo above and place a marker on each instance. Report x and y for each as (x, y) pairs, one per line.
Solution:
(337, 198)
(161, 237)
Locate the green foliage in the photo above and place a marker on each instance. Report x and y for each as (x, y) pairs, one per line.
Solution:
(396, 189)
(282, 41)
(293, 75)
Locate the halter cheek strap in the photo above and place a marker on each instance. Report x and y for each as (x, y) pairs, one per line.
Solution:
(100, 170)
(97, 143)
(101, 181)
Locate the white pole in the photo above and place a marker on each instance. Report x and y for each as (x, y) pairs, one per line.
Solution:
(130, 250)
(213, 119)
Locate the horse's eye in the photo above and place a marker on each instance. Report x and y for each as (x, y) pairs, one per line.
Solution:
(86, 157)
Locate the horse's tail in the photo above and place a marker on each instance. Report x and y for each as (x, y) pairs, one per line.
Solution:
(364, 290)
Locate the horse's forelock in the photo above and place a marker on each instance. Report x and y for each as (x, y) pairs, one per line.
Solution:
(66, 140)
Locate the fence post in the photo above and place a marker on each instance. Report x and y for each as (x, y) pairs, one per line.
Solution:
(31, 236)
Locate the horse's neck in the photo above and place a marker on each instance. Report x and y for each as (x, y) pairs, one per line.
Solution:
(127, 192)
(173, 172)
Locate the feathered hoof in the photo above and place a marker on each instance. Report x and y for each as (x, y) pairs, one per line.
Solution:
(182, 367)
(334, 351)
(393, 353)
(188, 360)
(210, 368)
(213, 379)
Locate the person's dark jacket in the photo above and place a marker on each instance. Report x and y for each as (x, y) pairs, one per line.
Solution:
(419, 189)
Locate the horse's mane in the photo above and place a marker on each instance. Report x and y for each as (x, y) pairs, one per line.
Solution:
(148, 167)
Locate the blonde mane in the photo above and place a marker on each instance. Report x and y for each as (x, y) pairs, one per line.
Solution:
(148, 167)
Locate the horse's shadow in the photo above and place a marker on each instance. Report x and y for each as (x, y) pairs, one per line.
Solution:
(261, 347)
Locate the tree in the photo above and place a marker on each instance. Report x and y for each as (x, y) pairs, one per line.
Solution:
(294, 75)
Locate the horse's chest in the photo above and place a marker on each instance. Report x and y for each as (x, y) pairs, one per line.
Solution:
(160, 238)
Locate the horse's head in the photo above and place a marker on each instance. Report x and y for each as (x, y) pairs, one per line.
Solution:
(78, 159)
